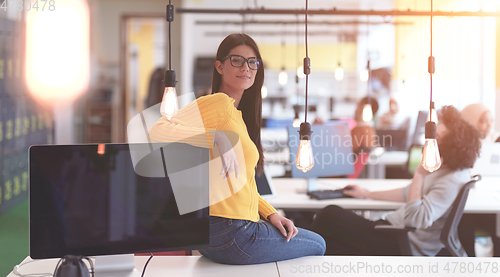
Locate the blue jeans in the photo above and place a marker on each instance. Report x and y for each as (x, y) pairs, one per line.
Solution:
(235, 241)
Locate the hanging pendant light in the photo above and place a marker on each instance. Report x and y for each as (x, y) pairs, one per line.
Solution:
(431, 160)
(363, 75)
(367, 113)
(300, 72)
(169, 103)
(339, 73)
(263, 91)
(283, 76)
(305, 158)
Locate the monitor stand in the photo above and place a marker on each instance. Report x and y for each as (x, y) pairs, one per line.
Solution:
(116, 266)
(311, 184)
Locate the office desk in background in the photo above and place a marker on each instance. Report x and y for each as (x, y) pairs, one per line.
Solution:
(483, 199)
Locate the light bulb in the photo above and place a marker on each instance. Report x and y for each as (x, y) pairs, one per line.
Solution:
(305, 158)
(296, 122)
(367, 113)
(364, 75)
(431, 160)
(263, 92)
(283, 77)
(339, 73)
(300, 72)
(169, 106)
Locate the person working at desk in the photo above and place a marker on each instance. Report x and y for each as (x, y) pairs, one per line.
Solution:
(393, 119)
(479, 116)
(237, 236)
(428, 199)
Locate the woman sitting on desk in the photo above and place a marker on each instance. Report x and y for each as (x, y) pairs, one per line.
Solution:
(230, 117)
(428, 199)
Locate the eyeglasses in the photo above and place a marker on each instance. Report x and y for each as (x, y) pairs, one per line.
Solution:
(238, 61)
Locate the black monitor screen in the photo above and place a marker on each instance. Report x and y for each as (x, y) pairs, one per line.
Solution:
(88, 200)
(263, 187)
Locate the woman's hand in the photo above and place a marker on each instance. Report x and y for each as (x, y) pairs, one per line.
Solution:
(228, 157)
(281, 222)
(355, 191)
(420, 170)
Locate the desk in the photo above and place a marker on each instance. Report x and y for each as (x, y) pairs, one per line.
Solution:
(484, 198)
(171, 266)
(305, 266)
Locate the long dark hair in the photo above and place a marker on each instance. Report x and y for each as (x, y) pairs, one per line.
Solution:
(251, 101)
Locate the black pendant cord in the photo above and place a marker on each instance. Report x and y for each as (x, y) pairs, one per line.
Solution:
(431, 68)
(306, 67)
(169, 41)
(169, 80)
(368, 62)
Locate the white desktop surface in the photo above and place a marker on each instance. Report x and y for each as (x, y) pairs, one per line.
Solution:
(196, 266)
(484, 198)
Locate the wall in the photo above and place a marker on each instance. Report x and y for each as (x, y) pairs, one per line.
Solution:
(23, 122)
(203, 40)
(105, 45)
(464, 49)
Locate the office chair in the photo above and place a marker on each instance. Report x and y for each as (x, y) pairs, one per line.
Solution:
(449, 233)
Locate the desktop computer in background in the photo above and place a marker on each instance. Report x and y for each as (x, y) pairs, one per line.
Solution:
(95, 200)
(419, 133)
(332, 150)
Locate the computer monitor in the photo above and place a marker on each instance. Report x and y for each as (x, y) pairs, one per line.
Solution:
(392, 140)
(488, 163)
(419, 134)
(265, 185)
(332, 150)
(109, 199)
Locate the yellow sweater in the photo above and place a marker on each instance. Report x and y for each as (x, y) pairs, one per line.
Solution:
(196, 124)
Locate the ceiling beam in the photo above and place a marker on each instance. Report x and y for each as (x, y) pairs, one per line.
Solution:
(335, 11)
(355, 22)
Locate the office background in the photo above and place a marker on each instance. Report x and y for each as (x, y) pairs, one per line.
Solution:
(128, 42)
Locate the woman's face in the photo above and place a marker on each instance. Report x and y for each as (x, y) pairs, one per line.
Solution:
(484, 124)
(237, 78)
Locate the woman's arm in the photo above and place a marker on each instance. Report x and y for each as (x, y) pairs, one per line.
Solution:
(417, 184)
(387, 195)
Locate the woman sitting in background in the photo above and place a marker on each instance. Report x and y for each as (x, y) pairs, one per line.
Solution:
(479, 116)
(428, 199)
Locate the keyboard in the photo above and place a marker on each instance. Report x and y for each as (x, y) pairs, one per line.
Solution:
(327, 194)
